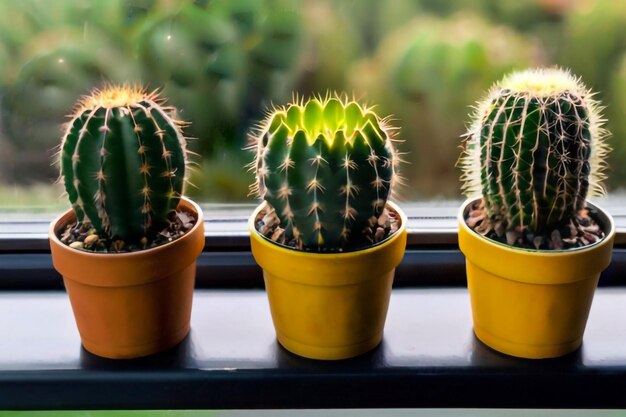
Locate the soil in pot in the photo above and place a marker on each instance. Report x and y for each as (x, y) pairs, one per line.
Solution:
(268, 224)
(572, 233)
(83, 236)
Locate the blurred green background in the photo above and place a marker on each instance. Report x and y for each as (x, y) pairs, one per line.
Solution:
(223, 63)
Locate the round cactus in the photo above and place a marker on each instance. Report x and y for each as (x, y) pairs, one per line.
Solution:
(535, 150)
(123, 162)
(327, 167)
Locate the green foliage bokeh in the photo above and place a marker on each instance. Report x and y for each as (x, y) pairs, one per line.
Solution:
(223, 63)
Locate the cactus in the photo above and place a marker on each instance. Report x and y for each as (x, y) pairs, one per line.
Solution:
(535, 150)
(327, 168)
(123, 162)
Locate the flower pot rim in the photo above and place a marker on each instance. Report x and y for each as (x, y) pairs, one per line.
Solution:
(608, 228)
(326, 255)
(127, 269)
(69, 215)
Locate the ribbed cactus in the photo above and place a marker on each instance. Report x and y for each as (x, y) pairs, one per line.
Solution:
(327, 167)
(535, 150)
(123, 161)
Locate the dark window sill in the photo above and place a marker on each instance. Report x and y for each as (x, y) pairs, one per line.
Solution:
(428, 358)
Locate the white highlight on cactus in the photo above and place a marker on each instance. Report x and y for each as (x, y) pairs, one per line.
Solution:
(144, 170)
(284, 192)
(314, 185)
(518, 161)
(349, 164)
(318, 160)
(541, 82)
(100, 197)
(286, 165)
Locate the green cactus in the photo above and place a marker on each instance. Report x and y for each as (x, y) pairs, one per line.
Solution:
(327, 167)
(123, 162)
(535, 150)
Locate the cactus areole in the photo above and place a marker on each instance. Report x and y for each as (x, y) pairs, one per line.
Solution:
(326, 167)
(123, 162)
(535, 150)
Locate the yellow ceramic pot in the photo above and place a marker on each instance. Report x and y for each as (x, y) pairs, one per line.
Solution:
(532, 303)
(329, 306)
(128, 305)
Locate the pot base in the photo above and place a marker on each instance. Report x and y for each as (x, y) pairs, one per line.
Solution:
(130, 352)
(523, 350)
(329, 352)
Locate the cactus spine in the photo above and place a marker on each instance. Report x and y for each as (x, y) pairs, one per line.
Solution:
(123, 161)
(327, 167)
(535, 150)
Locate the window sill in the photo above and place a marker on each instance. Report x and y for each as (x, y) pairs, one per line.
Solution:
(428, 358)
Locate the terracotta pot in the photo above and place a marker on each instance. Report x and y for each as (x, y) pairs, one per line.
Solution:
(532, 303)
(128, 305)
(329, 305)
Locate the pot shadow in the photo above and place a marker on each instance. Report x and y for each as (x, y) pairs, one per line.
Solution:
(180, 356)
(287, 361)
(483, 356)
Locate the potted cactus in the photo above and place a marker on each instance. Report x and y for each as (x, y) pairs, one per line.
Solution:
(127, 249)
(534, 245)
(326, 237)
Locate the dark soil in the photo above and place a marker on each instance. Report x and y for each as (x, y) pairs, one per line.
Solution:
(268, 224)
(573, 233)
(84, 237)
